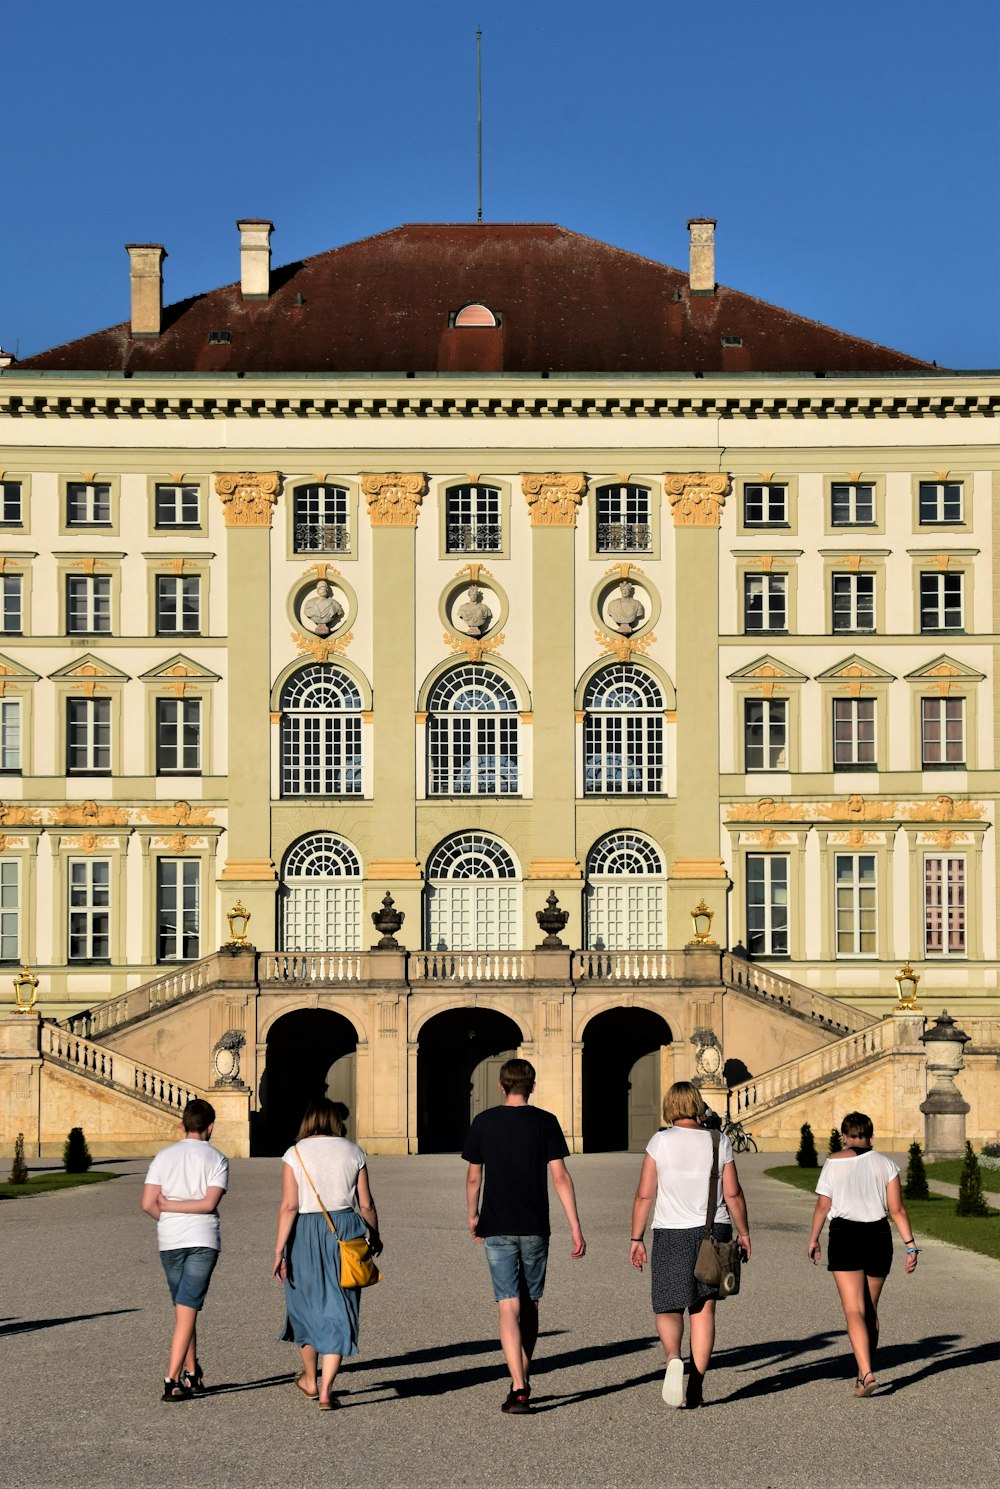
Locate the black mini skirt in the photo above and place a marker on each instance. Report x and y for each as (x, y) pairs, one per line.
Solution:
(860, 1246)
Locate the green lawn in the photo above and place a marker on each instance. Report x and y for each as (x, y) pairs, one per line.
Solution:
(41, 1183)
(950, 1172)
(929, 1217)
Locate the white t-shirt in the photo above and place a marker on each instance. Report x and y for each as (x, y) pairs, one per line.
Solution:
(188, 1170)
(683, 1158)
(334, 1164)
(857, 1185)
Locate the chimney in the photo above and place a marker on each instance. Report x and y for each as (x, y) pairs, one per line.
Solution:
(702, 277)
(255, 257)
(146, 279)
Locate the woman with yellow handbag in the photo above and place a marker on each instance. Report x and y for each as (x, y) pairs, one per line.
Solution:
(324, 1249)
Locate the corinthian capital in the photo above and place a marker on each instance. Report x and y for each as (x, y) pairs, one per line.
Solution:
(248, 497)
(697, 498)
(553, 498)
(394, 497)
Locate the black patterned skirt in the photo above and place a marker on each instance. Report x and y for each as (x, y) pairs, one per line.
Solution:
(675, 1287)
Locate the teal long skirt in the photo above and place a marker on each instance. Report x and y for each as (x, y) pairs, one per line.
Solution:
(318, 1311)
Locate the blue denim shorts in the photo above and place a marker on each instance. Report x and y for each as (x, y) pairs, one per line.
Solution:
(189, 1271)
(517, 1265)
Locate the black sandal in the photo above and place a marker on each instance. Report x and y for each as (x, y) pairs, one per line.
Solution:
(175, 1390)
(193, 1382)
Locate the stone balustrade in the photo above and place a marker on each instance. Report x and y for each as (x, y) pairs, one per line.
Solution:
(316, 968)
(471, 966)
(114, 1069)
(845, 1054)
(762, 982)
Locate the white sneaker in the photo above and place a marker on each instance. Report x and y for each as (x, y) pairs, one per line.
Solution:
(673, 1383)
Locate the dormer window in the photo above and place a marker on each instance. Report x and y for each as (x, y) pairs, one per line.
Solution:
(475, 315)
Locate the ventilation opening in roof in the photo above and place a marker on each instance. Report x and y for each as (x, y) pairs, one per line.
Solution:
(475, 315)
(219, 338)
(732, 341)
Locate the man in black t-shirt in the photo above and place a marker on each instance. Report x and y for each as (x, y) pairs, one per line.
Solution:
(519, 1146)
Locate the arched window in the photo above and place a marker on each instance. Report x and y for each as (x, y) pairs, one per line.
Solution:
(321, 895)
(623, 519)
(473, 896)
(473, 519)
(622, 733)
(625, 894)
(320, 734)
(472, 734)
(320, 518)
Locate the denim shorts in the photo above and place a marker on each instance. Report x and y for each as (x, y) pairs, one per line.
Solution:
(517, 1266)
(189, 1271)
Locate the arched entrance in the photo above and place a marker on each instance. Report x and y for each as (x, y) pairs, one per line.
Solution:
(621, 1079)
(459, 1056)
(310, 1053)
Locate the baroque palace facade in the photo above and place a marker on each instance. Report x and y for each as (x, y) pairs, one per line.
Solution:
(473, 565)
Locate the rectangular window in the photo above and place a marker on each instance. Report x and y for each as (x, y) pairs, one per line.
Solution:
(88, 504)
(940, 501)
(178, 736)
(10, 909)
(472, 519)
(177, 506)
(767, 904)
(944, 906)
(852, 504)
(320, 519)
(854, 733)
(764, 504)
(623, 520)
(11, 608)
(856, 904)
(765, 734)
(10, 504)
(10, 735)
(89, 910)
(88, 736)
(88, 604)
(178, 604)
(853, 602)
(942, 731)
(941, 601)
(765, 602)
(178, 909)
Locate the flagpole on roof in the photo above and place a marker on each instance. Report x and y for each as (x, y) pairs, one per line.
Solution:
(479, 121)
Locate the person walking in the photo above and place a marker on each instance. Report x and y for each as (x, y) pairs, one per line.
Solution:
(675, 1177)
(856, 1189)
(322, 1317)
(518, 1146)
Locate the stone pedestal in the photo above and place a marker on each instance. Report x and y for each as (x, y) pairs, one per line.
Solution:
(20, 1072)
(945, 1109)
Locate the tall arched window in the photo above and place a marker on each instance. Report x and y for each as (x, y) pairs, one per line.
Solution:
(321, 895)
(472, 734)
(625, 895)
(623, 732)
(473, 896)
(320, 734)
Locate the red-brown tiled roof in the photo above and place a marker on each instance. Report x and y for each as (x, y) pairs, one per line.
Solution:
(567, 303)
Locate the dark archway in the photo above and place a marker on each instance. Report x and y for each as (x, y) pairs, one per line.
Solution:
(310, 1053)
(621, 1079)
(458, 1065)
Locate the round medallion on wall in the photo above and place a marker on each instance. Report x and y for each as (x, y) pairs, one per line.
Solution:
(323, 606)
(474, 609)
(625, 606)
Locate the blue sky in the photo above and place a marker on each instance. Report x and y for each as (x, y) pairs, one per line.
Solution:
(850, 151)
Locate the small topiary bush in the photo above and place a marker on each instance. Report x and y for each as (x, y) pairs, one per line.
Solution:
(76, 1154)
(971, 1200)
(915, 1183)
(19, 1169)
(836, 1141)
(807, 1157)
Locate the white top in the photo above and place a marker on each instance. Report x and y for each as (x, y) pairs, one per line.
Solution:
(334, 1164)
(683, 1158)
(857, 1185)
(188, 1170)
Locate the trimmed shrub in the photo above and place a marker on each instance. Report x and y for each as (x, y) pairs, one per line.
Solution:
(915, 1183)
(971, 1200)
(836, 1141)
(19, 1169)
(807, 1157)
(76, 1154)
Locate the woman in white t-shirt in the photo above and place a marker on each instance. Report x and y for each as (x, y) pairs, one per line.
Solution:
(856, 1187)
(321, 1316)
(675, 1176)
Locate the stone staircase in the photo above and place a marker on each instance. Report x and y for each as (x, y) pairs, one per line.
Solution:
(110, 1068)
(767, 986)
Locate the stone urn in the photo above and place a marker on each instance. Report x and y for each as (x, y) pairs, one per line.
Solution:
(387, 922)
(945, 1109)
(551, 920)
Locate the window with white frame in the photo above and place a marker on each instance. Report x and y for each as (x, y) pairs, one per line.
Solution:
(178, 736)
(765, 504)
(765, 734)
(767, 904)
(178, 909)
(10, 735)
(853, 602)
(320, 733)
(11, 508)
(940, 501)
(472, 734)
(765, 602)
(625, 895)
(623, 733)
(10, 909)
(944, 906)
(88, 736)
(320, 896)
(178, 604)
(852, 504)
(88, 504)
(12, 604)
(856, 904)
(321, 518)
(942, 596)
(89, 910)
(177, 505)
(473, 519)
(853, 733)
(88, 604)
(942, 731)
(624, 520)
(473, 896)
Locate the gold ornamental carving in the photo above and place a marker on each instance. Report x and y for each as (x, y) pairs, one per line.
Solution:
(553, 498)
(178, 842)
(856, 808)
(474, 647)
(180, 814)
(767, 837)
(944, 809)
(624, 648)
(394, 497)
(90, 814)
(697, 498)
(322, 648)
(248, 497)
(12, 816)
(7, 843)
(87, 842)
